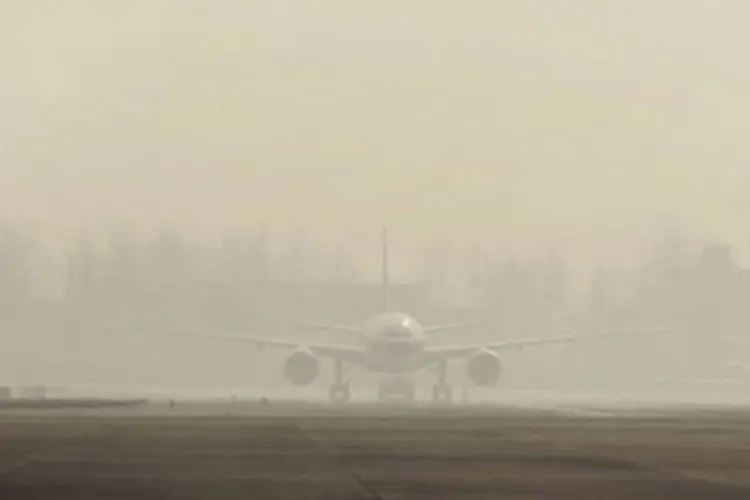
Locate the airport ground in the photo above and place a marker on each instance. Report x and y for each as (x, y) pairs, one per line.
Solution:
(286, 450)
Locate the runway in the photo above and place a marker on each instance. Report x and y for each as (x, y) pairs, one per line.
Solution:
(246, 450)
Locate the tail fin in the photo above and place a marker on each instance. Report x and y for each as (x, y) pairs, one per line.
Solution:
(385, 283)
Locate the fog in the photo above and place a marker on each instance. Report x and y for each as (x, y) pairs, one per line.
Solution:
(543, 166)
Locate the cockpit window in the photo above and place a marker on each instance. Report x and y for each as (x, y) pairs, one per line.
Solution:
(398, 330)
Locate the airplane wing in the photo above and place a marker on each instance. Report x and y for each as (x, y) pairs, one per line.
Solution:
(334, 351)
(440, 353)
(695, 382)
(281, 323)
(331, 327)
(449, 326)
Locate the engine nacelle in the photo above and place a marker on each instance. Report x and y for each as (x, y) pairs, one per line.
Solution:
(302, 367)
(484, 368)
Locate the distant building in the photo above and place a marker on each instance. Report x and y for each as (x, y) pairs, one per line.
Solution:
(35, 392)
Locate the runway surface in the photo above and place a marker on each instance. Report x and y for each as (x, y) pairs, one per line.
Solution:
(245, 450)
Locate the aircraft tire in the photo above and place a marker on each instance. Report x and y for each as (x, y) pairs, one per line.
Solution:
(388, 391)
(442, 393)
(339, 393)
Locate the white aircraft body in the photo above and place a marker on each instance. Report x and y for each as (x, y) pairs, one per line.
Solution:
(395, 344)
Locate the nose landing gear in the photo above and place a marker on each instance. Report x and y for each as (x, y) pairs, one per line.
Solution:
(397, 389)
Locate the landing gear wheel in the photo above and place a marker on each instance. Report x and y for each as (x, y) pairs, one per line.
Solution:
(465, 394)
(442, 393)
(382, 392)
(339, 392)
(397, 390)
(411, 395)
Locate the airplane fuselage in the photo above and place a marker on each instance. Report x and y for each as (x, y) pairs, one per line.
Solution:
(394, 342)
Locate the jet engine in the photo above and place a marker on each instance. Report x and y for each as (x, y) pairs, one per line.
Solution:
(484, 368)
(302, 367)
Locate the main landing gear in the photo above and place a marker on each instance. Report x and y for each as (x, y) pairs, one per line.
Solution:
(339, 391)
(442, 391)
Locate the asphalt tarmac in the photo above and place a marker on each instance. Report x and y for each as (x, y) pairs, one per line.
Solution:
(246, 450)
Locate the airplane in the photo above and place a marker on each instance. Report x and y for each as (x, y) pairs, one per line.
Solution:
(393, 344)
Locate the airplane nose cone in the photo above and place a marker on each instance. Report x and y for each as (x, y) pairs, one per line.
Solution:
(398, 333)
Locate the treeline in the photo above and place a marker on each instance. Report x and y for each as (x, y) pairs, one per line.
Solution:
(696, 290)
(700, 290)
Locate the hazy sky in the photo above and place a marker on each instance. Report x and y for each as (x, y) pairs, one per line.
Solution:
(589, 122)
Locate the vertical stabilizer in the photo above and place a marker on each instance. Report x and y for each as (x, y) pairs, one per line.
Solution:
(385, 283)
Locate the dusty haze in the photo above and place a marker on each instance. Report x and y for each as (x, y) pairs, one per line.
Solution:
(589, 124)
(588, 127)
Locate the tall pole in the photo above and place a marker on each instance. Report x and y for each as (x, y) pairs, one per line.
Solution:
(385, 283)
